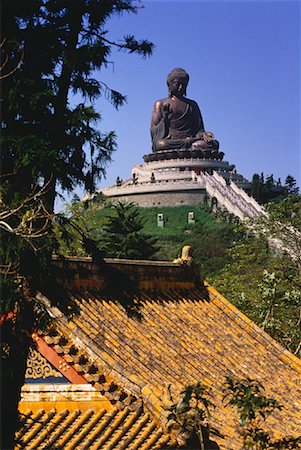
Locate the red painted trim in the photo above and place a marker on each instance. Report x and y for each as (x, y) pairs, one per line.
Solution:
(58, 361)
(7, 316)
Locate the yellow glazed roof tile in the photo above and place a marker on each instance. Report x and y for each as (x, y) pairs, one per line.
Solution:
(180, 336)
(89, 430)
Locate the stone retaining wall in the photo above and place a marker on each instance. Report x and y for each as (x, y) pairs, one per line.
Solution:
(175, 198)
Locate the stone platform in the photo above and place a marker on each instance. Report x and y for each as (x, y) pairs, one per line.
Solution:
(171, 181)
(184, 153)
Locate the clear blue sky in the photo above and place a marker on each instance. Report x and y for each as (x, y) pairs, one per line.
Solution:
(243, 58)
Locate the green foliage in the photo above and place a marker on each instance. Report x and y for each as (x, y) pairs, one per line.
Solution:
(291, 185)
(248, 398)
(210, 251)
(64, 43)
(188, 413)
(123, 237)
(268, 290)
(265, 287)
(117, 230)
(175, 219)
(210, 245)
(209, 238)
(265, 190)
(254, 407)
(44, 139)
(72, 226)
(48, 142)
(194, 396)
(172, 236)
(284, 224)
(263, 277)
(247, 258)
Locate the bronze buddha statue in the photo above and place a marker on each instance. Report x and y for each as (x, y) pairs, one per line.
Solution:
(176, 122)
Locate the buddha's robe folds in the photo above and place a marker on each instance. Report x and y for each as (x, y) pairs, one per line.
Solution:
(170, 132)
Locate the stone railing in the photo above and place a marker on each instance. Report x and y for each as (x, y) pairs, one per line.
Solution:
(247, 197)
(236, 201)
(160, 186)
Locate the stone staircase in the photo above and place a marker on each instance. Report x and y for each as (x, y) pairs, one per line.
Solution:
(230, 196)
(239, 203)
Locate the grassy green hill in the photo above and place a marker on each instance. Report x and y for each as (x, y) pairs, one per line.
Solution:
(176, 219)
(210, 235)
(177, 232)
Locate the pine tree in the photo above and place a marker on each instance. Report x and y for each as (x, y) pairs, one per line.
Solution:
(44, 139)
(123, 237)
(64, 42)
(291, 185)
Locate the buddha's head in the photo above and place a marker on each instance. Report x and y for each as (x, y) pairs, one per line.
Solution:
(177, 81)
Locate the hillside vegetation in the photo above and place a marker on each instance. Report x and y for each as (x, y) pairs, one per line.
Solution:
(177, 232)
(261, 281)
(210, 235)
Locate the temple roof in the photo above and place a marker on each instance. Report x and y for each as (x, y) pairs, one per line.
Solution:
(173, 330)
(90, 429)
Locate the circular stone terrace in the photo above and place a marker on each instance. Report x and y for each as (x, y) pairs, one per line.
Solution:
(175, 181)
